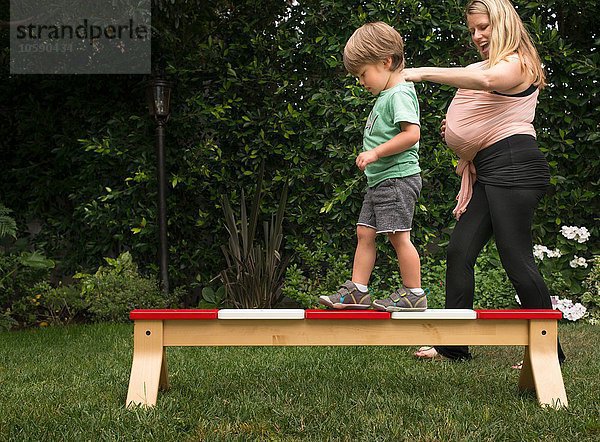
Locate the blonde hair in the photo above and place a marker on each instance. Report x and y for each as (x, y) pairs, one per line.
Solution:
(373, 43)
(509, 36)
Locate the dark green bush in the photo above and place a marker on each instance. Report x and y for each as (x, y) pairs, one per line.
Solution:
(117, 288)
(23, 276)
(316, 273)
(63, 305)
(8, 226)
(591, 296)
(263, 80)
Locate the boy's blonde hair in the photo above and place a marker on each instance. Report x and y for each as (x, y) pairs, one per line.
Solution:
(373, 43)
(509, 36)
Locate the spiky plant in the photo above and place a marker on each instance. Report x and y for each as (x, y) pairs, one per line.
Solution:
(255, 269)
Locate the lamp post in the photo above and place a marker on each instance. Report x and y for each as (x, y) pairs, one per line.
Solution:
(158, 93)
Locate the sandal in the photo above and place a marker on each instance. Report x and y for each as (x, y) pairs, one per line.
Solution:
(429, 353)
(517, 366)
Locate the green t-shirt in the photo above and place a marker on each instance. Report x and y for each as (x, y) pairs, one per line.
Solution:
(394, 105)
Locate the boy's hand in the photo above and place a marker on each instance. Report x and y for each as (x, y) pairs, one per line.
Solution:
(443, 129)
(366, 158)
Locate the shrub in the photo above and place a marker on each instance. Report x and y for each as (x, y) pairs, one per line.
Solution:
(23, 276)
(566, 263)
(117, 288)
(315, 273)
(28, 309)
(64, 304)
(271, 86)
(591, 296)
(493, 289)
(211, 298)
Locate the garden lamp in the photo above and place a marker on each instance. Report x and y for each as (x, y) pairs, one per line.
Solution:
(158, 94)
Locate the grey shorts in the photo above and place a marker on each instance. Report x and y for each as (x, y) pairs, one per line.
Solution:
(389, 207)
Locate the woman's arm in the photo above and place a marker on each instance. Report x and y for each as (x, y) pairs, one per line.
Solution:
(506, 76)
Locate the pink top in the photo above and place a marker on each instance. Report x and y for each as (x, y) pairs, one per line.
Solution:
(476, 120)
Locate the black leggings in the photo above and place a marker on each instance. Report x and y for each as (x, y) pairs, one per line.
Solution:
(507, 213)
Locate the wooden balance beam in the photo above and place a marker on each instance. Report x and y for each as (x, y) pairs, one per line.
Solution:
(536, 330)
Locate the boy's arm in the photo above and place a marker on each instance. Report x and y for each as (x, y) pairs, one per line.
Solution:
(407, 138)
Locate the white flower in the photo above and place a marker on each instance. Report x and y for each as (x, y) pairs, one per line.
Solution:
(517, 299)
(570, 311)
(538, 251)
(565, 303)
(556, 253)
(578, 262)
(580, 234)
(584, 235)
(568, 231)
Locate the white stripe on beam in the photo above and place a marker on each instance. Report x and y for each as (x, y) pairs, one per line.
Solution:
(261, 313)
(434, 313)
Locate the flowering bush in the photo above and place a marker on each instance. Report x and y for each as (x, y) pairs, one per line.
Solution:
(565, 268)
(571, 311)
(591, 296)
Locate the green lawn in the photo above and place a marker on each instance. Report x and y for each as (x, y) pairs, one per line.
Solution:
(70, 383)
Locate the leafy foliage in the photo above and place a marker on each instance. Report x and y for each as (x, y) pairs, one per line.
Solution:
(317, 272)
(8, 226)
(116, 289)
(22, 276)
(212, 298)
(263, 81)
(591, 296)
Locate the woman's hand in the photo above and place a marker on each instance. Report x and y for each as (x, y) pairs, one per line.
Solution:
(412, 74)
(443, 129)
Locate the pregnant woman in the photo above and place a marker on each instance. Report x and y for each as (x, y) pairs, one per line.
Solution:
(504, 174)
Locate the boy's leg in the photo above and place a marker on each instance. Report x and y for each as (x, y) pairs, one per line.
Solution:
(410, 297)
(349, 295)
(394, 209)
(364, 257)
(408, 259)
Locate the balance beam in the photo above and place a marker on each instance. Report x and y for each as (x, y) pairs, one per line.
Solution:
(154, 330)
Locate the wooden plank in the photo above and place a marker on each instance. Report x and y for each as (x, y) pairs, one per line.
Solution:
(526, 376)
(541, 370)
(334, 332)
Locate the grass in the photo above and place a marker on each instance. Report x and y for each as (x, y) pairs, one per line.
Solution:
(70, 383)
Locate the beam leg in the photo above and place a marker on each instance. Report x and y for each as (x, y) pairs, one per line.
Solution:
(526, 376)
(163, 382)
(147, 371)
(545, 369)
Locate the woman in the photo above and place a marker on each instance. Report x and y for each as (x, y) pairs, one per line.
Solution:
(504, 174)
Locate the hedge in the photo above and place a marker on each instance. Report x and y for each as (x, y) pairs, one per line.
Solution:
(264, 81)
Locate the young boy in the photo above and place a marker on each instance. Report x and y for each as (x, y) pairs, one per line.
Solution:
(390, 160)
